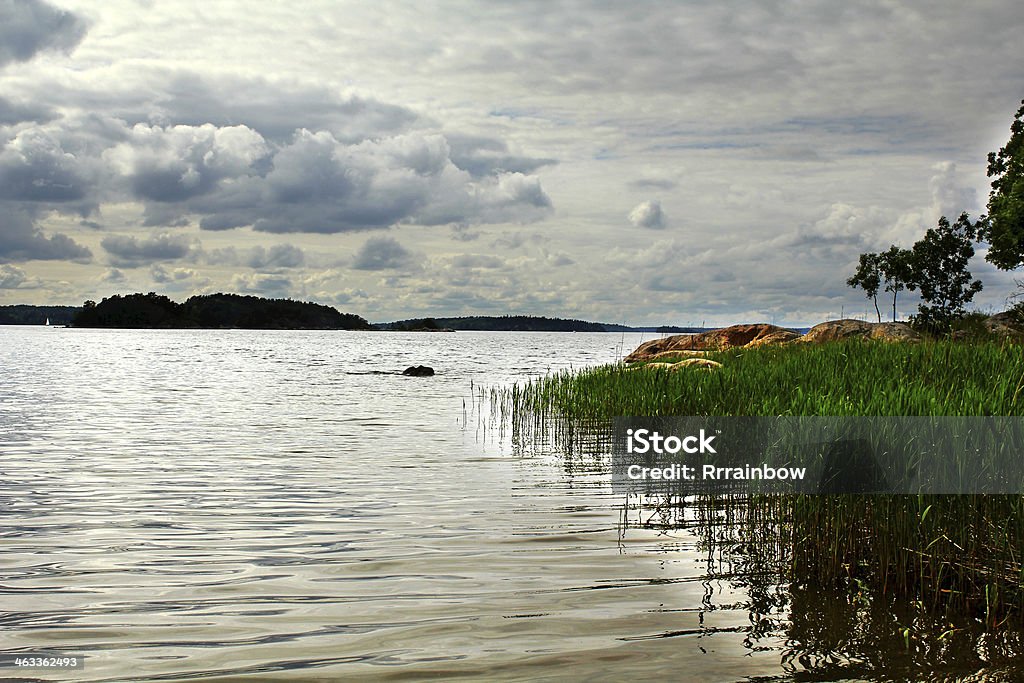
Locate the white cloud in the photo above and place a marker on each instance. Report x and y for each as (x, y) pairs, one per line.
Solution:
(648, 214)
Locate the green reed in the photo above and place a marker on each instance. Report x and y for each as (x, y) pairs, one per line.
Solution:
(953, 553)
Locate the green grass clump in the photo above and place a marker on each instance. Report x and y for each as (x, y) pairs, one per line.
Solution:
(955, 553)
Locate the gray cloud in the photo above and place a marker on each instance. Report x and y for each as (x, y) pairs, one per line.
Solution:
(161, 275)
(320, 184)
(113, 276)
(22, 240)
(35, 167)
(12, 112)
(477, 261)
(360, 165)
(274, 109)
(277, 256)
(260, 283)
(381, 253)
(130, 252)
(180, 162)
(653, 184)
(648, 215)
(11, 277)
(28, 27)
(481, 156)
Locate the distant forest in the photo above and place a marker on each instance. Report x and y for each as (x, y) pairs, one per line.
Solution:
(214, 311)
(522, 323)
(23, 314)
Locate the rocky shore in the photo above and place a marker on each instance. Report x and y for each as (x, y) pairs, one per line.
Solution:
(760, 334)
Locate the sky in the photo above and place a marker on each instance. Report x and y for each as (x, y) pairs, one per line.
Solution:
(643, 163)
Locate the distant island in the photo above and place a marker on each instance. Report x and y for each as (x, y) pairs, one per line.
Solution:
(214, 311)
(521, 323)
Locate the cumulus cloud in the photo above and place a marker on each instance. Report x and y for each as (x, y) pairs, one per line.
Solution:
(28, 27)
(35, 167)
(277, 256)
(131, 252)
(161, 275)
(648, 215)
(844, 225)
(949, 196)
(230, 175)
(381, 253)
(113, 276)
(22, 240)
(319, 184)
(274, 108)
(262, 284)
(179, 162)
(11, 277)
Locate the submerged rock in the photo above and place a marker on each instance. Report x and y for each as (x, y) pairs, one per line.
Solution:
(419, 371)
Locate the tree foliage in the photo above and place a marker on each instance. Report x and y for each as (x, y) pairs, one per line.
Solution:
(939, 265)
(868, 277)
(936, 265)
(892, 268)
(1003, 228)
(897, 268)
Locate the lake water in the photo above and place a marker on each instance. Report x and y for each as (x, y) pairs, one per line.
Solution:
(222, 505)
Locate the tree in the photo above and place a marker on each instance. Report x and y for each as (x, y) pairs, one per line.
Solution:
(939, 269)
(897, 270)
(868, 277)
(1003, 228)
(893, 267)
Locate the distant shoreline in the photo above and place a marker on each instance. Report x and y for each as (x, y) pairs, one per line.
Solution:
(150, 311)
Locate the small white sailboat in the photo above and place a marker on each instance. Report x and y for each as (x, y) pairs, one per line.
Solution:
(47, 322)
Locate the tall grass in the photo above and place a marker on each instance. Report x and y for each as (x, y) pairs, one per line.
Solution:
(951, 553)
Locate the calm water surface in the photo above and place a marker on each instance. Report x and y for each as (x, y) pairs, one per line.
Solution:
(232, 505)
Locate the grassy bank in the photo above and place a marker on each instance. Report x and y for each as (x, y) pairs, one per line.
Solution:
(951, 553)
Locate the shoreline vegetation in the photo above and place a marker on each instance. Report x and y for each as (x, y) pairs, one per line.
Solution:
(957, 556)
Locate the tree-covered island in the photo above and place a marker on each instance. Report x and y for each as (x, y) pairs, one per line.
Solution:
(214, 311)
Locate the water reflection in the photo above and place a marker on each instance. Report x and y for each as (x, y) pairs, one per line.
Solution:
(843, 631)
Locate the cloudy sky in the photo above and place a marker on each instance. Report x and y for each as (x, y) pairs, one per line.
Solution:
(671, 162)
